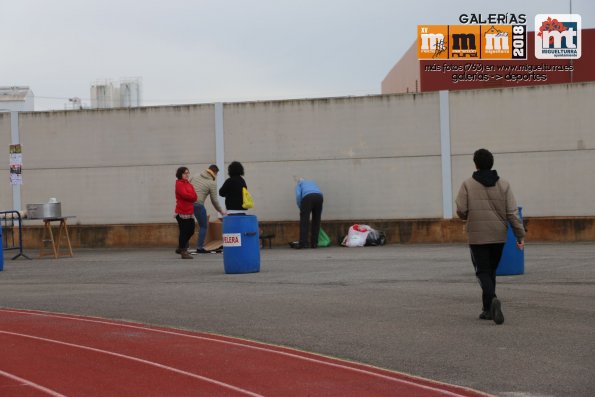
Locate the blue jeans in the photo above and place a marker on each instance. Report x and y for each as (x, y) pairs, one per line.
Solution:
(200, 214)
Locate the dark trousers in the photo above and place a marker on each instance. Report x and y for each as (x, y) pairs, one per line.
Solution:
(186, 227)
(485, 258)
(311, 204)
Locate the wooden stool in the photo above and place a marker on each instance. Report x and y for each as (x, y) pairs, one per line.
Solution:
(265, 237)
(48, 241)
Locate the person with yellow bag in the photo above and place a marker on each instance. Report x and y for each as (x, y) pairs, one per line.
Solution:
(309, 200)
(234, 190)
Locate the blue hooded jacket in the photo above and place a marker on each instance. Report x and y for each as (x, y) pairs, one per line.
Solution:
(303, 188)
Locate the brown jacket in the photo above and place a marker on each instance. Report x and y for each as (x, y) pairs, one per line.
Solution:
(488, 210)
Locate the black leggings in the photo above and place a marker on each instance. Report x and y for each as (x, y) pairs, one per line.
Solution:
(186, 227)
(485, 258)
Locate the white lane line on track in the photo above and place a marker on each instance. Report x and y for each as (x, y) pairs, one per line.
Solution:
(31, 384)
(248, 346)
(140, 360)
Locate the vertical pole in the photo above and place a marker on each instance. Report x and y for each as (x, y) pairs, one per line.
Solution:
(445, 156)
(572, 60)
(14, 133)
(219, 144)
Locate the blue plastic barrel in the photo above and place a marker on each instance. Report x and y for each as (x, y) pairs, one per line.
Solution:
(513, 259)
(1, 251)
(241, 245)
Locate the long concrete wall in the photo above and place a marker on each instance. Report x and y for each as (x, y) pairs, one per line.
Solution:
(376, 157)
(366, 153)
(113, 166)
(544, 143)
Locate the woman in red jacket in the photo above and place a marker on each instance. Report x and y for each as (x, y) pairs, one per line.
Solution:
(185, 198)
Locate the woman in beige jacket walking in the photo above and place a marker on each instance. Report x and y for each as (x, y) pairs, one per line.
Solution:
(487, 204)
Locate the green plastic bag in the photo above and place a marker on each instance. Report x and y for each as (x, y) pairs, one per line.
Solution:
(323, 239)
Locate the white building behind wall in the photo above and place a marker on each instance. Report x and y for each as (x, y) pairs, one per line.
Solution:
(130, 93)
(16, 99)
(105, 94)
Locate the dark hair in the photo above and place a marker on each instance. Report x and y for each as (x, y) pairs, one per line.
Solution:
(483, 159)
(180, 172)
(214, 168)
(235, 169)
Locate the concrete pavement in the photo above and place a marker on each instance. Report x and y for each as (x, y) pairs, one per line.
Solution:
(410, 308)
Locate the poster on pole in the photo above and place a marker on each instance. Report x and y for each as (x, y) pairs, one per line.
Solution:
(16, 165)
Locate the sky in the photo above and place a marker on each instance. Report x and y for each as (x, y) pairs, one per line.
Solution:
(206, 51)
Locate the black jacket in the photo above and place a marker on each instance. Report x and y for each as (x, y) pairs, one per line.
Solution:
(232, 191)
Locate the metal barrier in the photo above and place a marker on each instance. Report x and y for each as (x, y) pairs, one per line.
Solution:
(8, 220)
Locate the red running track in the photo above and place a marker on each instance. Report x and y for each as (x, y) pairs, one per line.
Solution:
(51, 354)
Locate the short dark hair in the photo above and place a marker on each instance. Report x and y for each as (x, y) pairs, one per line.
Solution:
(180, 172)
(235, 169)
(214, 168)
(483, 159)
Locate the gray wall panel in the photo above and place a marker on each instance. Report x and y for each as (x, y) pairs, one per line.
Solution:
(387, 188)
(335, 128)
(529, 119)
(119, 137)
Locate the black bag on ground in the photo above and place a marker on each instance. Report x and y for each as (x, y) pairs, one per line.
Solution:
(375, 238)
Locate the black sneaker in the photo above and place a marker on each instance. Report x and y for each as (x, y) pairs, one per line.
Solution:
(202, 251)
(297, 245)
(485, 315)
(496, 311)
